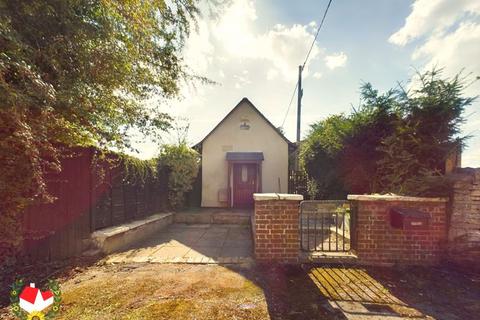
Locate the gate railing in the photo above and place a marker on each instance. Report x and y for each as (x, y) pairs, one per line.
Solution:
(325, 225)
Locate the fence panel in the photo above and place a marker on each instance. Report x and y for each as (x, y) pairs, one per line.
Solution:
(52, 230)
(89, 196)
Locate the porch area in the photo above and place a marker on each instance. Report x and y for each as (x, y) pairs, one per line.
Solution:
(197, 236)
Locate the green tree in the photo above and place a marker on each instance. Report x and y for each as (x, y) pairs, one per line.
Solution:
(340, 152)
(371, 122)
(320, 155)
(393, 142)
(77, 72)
(413, 156)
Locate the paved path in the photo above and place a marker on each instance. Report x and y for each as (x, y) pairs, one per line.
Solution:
(192, 243)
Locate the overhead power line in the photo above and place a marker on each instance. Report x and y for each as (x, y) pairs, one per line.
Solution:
(308, 56)
(316, 35)
(290, 104)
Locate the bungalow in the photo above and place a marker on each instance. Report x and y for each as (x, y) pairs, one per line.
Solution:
(244, 154)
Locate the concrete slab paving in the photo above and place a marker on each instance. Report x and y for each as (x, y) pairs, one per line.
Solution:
(238, 237)
(210, 242)
(236, 251)
(234, 243)
(203, 251)
(190, 243)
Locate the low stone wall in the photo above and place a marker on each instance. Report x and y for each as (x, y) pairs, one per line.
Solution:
(376, 242)
(275, 227)
(464, 233)
(117, 238)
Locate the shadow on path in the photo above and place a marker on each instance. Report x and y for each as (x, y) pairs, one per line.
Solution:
(338, 292)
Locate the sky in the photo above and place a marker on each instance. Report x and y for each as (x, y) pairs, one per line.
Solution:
(253, 49)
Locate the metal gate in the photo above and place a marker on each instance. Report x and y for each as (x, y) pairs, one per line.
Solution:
(325, 225)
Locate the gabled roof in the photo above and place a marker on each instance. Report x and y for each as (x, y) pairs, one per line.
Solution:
(29, 294)
(47, 295)
(257, 111)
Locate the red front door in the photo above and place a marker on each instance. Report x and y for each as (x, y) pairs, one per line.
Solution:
(244, 184)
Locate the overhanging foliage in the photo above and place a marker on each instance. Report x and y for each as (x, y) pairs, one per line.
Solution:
(77, 73)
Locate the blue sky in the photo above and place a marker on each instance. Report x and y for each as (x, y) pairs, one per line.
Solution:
(253, 49)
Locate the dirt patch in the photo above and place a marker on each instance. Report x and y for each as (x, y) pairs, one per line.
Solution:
(152, 291)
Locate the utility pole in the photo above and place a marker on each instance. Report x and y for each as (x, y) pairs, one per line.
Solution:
(299, 115)
(299, 102)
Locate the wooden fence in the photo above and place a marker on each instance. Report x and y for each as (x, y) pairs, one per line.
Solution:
(90, 196)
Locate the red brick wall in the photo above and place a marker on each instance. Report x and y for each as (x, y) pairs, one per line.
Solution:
(275, 229)
(380, 244)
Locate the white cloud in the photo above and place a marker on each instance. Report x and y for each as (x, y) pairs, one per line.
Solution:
(233, 37)
(317, 75)
(286, 47)
(448, 34)
(454, 51)
(336, 60)
(234, 28)
(434, 16)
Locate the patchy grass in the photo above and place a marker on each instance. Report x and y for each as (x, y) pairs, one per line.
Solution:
(162, 292)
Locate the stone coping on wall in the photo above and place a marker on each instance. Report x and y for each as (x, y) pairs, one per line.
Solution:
(277, 196)
(115, 230)
(117, 238)
(392, 197)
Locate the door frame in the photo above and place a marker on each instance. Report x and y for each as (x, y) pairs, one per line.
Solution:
(230, 185)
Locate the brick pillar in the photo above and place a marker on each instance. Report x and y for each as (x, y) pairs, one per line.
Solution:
(276, 227)
(464, 232)
(378, 243)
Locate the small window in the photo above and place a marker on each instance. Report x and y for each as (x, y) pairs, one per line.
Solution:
(244, 173)
(244, 124)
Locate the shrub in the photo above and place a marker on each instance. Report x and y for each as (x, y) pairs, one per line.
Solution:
(312, 188)
(182, 164)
